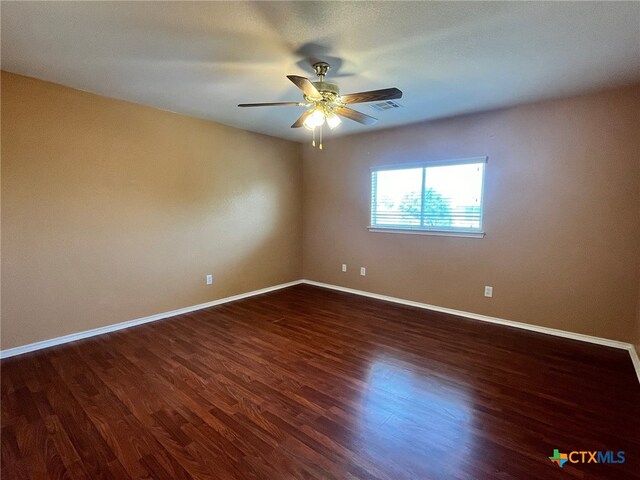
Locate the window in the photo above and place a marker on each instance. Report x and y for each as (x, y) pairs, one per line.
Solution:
(436, 197)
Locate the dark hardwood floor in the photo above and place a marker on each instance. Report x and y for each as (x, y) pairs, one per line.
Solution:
(307, 383)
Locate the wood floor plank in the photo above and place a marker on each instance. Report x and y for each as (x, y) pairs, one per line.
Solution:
(308, 383)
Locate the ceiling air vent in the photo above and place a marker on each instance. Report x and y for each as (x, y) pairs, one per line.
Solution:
(388, 105)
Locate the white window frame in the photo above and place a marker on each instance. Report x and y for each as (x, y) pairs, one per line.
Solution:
(447, 232)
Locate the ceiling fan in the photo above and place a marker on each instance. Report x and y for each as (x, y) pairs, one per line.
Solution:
(325, 104)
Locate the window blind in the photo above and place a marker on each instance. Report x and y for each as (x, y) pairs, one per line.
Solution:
(442, 196)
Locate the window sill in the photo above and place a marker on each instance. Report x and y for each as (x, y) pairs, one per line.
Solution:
(438, 233)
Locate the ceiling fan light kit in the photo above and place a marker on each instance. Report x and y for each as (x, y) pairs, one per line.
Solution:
(325, 104)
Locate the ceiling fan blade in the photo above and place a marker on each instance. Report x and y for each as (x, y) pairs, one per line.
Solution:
(298, 123)
(372, 96)
(354, 115)
(306, 86)
(273, 104)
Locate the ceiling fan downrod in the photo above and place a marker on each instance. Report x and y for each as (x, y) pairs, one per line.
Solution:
(321, 69)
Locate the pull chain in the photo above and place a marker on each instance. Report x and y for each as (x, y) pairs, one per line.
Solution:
(320, 137)
(313, 143)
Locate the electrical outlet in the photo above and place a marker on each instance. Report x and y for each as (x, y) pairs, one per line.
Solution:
(209, 279)
(363, 271)
(344, 267)
(488, 291)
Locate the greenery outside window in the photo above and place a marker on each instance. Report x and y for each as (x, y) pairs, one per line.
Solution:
(441, 198)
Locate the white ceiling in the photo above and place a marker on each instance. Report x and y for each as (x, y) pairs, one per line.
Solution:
(203, 58)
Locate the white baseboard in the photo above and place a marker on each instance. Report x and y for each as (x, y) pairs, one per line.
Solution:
(10, 352)
(500, 321)
(635, 360)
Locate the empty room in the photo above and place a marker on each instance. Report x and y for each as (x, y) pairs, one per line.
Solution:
(320, 240)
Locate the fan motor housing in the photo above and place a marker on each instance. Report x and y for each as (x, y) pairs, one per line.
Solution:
(329, 91)
(326, 87)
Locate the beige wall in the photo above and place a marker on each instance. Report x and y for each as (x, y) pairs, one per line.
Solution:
(562, 215)
(637, 338)
(113, 211)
